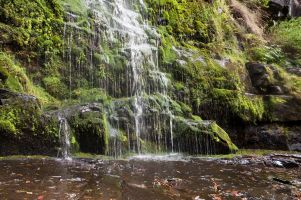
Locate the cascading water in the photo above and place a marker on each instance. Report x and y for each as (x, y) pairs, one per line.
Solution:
(125, 49)
(138, 43)
(64, 138)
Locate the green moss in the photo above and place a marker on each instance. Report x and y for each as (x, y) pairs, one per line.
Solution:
(201, 137)
(74, 145)
(75, 6)
(55, 87)
(3, 74)
(18, 80)
(221, 136)
(7, 127)
(249, 109)
(90, 132)
(91, 95)
(31, 25)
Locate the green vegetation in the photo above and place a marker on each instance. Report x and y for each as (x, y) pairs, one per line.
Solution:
(75, 6)
(58, 52)
(31, 26)
(18, 81)
(287, 34)
(206, 33)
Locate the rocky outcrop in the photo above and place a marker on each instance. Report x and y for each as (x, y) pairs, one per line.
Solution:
(264, 78)
(285, 8)
(280, 127)
(283, 108)
(23, 127)
(87, 126)
(276, 136)
(201, 137)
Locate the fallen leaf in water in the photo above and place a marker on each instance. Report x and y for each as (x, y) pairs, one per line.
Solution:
(216, 187)
(28, 192)
(235, 193)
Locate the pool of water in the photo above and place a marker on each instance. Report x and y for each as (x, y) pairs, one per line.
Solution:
(145, 177)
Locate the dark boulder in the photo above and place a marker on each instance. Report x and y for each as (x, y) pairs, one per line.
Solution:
(266, 137)
(283, 136)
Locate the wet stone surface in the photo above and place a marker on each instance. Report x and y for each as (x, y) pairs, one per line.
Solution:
(146, 178)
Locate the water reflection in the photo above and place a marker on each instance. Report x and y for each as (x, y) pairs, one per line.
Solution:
(147, 177)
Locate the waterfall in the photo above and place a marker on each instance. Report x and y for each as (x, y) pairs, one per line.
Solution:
(64, 138)
(129, 52)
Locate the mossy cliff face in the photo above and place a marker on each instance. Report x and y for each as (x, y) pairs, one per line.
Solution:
(23, 127)
(206, 61)
(208, 52)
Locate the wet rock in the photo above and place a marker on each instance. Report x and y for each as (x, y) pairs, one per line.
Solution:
(294, 70)
(295, 147)
(263, 78)
(87, 122)
(275, 89)
(285, 163)
(282, 161)
(266, 137)
(283, 108)
(285, 8)
(278, 136)
(9, 97)
(201, 137)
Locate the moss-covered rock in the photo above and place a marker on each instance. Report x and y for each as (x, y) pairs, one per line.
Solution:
(90, 132)
(24, 130)
(201, 137)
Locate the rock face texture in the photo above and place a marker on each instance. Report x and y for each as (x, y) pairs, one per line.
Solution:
(281, 126)
(274, 136)
(295, 8)
(285, 8)
(264, 78)
(23, 128)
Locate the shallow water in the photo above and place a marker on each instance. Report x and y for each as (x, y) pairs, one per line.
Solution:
(144, 177)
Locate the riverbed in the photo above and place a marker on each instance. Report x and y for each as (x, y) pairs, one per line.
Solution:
(146, 177)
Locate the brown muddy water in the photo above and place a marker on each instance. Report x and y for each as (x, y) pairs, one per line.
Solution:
(147, 178)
